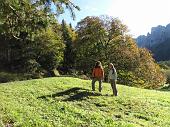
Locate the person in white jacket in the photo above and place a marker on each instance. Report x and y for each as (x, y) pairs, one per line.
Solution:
(112, 78)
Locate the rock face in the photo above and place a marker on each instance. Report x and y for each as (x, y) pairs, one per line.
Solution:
(158, 42)
(161, 52)
(158, 35)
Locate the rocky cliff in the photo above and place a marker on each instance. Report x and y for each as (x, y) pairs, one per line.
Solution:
(158, 35)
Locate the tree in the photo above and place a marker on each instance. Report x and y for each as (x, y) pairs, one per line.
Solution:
(90, 42)
(106, 39)
(60, 6)
(148, 71)
(21, 18)
(31, 34)
(69, 37)
(103, 38)
(49, 49)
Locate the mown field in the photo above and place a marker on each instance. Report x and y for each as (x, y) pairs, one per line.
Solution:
(69, 102)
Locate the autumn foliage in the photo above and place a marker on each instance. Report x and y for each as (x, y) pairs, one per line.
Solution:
(106, 39)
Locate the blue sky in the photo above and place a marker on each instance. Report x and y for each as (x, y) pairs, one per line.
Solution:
(138, 15)
(88, 8)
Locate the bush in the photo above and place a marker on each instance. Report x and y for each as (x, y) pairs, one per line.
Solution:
(129, 79)
(167, 63)
(9, 77)
(167, 73)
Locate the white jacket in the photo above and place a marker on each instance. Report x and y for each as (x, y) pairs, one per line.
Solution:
(112, 75)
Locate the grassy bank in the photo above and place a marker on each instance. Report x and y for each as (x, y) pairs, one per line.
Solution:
(69, 102)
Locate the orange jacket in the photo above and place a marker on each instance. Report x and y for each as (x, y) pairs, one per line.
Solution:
(98, 73)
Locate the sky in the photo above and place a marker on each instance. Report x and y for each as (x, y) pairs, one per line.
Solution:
(138, 15)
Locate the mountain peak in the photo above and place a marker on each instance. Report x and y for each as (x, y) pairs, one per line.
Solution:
(158, 39)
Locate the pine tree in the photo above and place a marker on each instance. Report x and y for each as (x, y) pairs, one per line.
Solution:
(68, 37)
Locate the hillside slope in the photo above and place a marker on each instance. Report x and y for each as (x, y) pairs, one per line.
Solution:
(69, 102)
(161, 51)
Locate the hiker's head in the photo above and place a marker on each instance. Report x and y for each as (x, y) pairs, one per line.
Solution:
(98, 64)
(111, 66)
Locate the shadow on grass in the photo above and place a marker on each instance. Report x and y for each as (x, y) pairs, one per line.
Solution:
(74, 94)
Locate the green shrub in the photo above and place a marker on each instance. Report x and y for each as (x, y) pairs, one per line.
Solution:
(9, 77)
(129, 79)
(167, 72)
(164, 65)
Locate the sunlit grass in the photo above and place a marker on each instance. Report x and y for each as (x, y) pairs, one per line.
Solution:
(69, 102)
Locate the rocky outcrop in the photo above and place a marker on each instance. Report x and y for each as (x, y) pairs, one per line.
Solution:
(158, 35)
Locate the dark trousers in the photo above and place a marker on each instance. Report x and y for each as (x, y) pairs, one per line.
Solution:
(100, 84)
(113, 85)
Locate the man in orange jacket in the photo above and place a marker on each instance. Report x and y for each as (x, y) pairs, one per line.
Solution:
(98, 75)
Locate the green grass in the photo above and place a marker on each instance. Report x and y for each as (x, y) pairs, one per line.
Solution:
(69, 102)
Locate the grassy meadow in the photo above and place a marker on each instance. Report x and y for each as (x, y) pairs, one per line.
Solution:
(69, 102)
